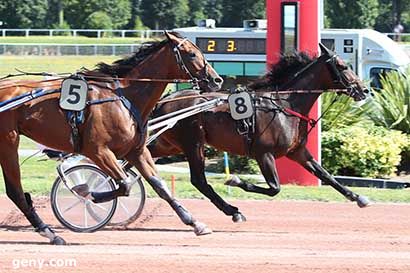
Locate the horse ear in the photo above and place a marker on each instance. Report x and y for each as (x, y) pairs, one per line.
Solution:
(325, 50)
(167, 34)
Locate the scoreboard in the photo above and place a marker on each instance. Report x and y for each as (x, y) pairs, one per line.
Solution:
(229, 44)
(237, 54)
(233, 45)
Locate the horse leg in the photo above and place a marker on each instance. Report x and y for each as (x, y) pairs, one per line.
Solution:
(146, 166)
(196, 159)
(304, 158)
(106, 160)
(267, 166)
(11, 173)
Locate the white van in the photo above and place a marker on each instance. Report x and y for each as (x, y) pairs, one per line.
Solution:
(370, 53)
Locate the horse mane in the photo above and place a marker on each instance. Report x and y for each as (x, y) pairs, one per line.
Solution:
(282, 71)
(123, 66)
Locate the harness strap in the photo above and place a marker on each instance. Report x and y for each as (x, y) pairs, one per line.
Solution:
(308, 119)
(135, 113)
(94, 102)
(75, 118)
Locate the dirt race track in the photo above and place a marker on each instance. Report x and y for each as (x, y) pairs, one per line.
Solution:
(278, 237)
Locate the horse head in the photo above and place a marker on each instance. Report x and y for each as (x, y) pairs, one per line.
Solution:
(343, 76)
(193, 63)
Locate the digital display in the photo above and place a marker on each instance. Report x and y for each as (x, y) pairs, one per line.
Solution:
(232, 45)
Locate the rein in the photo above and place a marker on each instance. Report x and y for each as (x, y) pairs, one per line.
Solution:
(312, 122)
(111, 79)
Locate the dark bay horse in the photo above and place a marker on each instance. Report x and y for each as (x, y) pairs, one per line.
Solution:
(112, 128)
(277, 132)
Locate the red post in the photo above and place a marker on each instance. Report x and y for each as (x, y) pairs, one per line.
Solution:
(308, 37)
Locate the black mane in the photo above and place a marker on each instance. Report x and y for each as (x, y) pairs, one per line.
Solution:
(282, 71)
(123, 66)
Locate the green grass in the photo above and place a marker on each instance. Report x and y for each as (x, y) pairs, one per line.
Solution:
(70, 40)
(57, 64)
(26, 143)
(38, 177)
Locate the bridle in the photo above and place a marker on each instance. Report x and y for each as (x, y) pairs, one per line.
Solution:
(339, 77)
(180, 61)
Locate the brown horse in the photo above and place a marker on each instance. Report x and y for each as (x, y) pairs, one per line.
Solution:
(278, 131)
(114, 125)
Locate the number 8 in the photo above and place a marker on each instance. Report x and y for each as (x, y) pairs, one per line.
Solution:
(240, 105)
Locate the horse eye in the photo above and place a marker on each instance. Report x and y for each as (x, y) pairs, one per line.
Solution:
(192, 55)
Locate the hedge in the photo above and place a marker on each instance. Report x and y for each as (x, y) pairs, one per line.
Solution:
(370, 151)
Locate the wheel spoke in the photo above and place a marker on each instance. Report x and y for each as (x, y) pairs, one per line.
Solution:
(127, 212)
(72, 206)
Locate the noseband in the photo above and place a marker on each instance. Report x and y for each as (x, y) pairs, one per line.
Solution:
(180, 61)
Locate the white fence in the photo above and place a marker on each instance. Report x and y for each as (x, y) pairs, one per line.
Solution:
(143, 34)
(67, 49)
(78, 49)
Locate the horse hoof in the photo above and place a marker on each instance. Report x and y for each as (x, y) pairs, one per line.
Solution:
(238, 218)
(234, 181)
(58, 241)
(362, 201)
(201, 229)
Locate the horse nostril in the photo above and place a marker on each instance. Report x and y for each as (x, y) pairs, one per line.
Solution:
(218, 80)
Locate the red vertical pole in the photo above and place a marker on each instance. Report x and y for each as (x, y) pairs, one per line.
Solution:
(289, 171)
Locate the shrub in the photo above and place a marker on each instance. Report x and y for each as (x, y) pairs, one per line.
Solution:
(341, 111)
(237, 164)
(99, 20)
(63, 25)
(362, 151)
(391, 105)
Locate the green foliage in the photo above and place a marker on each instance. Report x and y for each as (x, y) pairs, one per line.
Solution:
(341, 111)
(362, 151)
(76, 12)
(351, 13)
(23, 13)
(384, 22)
(237, 164)
(139, 25)
(234, 12)
(99, 20)
(391, 105)
(64, 25)
(196, 9)
(214, 10)
(164, 14)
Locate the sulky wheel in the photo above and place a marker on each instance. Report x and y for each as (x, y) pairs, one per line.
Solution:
(75, 212)
(130, 207)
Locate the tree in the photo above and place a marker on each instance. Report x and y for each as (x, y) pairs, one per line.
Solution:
(385, 22)
(196, 10)
(23, 13)
(76, 12)
(234, 12)
(164, 14)
(99, 20)
(351, 13)
(213, 10)
(135, 13)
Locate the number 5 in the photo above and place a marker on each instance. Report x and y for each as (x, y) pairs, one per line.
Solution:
(72, 92)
